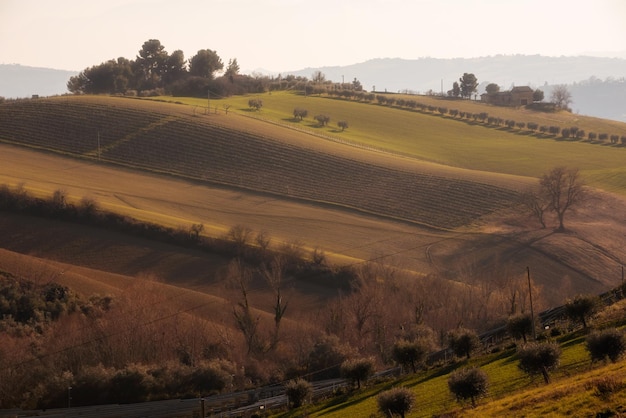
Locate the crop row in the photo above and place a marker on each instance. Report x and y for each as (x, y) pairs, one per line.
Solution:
(68, 126)
(204, 151)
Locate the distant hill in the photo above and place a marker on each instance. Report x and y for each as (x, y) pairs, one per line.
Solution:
(17, 81)
(597, 84)
(424, 74)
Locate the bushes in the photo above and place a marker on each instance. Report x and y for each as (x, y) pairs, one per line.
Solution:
(609, 344)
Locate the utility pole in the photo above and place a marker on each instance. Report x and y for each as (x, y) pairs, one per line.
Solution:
(532, 312)
(208, 101)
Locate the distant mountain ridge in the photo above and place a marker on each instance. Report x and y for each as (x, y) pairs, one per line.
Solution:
(18, 81)
(597, 84)
(423, 74)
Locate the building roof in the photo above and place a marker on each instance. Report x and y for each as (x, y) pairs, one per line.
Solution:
(521, 89)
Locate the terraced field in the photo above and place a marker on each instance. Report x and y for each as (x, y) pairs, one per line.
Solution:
(195, 148)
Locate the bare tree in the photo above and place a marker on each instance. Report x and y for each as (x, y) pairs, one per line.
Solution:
(274, 275)
(535, 204)
(240, 277)
(563, 190)
(561, 96)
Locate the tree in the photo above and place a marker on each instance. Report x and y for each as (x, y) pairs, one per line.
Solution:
(410, 353)
(538, 96)
(232, 70)
(318, 77)
(538, 358)
(520, 326)
(470, 383)
(609, 344)
(343, 125)
(396, 401)
(492, 88)
(322, 119)
(298, 391)
(581, 308)
(299, 112)
(463, 342)
(561, 96)
(456, 90)
(469, 83)
(151, 63)
(205, 63)
(358, 370)
(255, 104)
(563, 189)
(175, 67)
(274, 275)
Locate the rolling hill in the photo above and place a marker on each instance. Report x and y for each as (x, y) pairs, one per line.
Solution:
(409, 186)
(413, 193)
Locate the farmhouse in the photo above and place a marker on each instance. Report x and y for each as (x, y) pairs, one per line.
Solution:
(517, 96)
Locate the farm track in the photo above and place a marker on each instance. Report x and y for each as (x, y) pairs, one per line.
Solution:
(198, 149)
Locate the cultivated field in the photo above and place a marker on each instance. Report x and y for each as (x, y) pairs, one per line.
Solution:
(353, 202)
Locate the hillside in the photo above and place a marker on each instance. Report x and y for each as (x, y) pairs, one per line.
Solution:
(217, 173)
(418, 207)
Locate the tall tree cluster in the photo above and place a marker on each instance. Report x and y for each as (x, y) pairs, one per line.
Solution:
(154, 68)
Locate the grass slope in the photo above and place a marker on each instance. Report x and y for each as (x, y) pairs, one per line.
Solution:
(459, 143)
(511, 393)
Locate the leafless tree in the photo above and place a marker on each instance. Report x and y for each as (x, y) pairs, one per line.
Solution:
(561, 96)
(535, 204)
(563, 189)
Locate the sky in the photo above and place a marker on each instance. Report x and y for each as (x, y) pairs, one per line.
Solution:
(290, 35)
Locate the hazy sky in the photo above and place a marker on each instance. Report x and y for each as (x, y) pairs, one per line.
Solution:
(283, 35)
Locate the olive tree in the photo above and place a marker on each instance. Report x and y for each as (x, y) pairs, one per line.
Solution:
(609, 344)
(520, 326)
(396, 401)
(581, 308)
(538, 358)
(298, 391)
(470, 383)
(358, 370)
(410, 353)
(463, 342)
